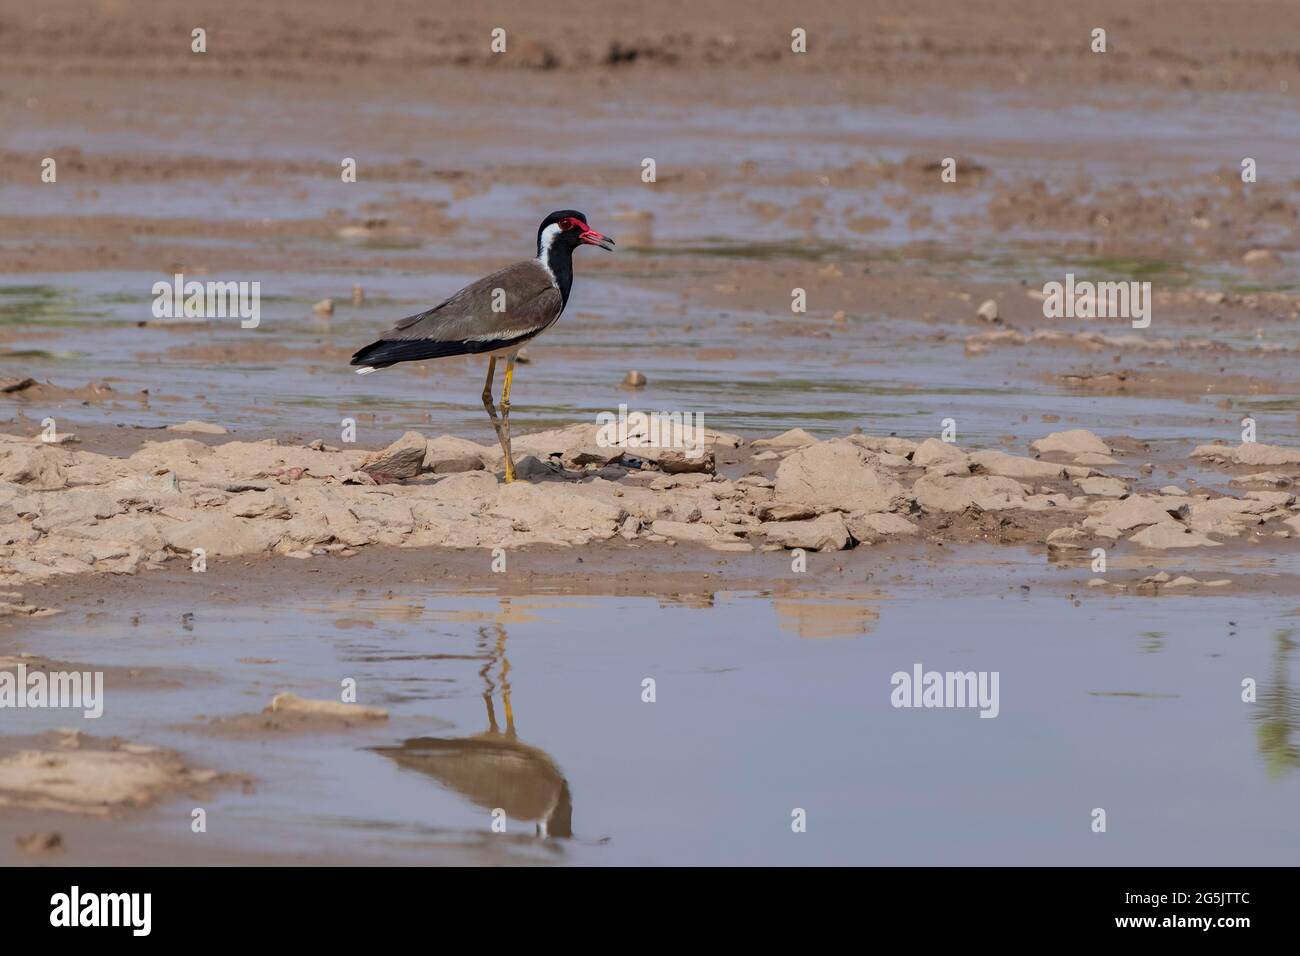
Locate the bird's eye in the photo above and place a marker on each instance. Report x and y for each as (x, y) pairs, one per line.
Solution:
(567, 224)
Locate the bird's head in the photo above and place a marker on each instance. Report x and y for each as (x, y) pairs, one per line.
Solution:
(567, 229)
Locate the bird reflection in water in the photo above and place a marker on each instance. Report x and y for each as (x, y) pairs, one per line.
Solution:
(494, 769)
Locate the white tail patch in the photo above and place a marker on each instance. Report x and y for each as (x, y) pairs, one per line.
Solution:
(366, 371)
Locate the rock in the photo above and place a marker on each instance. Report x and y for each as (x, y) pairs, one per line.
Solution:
(988, 310)
(1274, 499)
(36, 466)
(766, 456)
(292, 703)
(592, 455)
(324, 307)
(835, 475)
(937, 493)
(634, 379)
(10, 385)
(699, 533)
(932, 452)
(197, 428)
(1250, 453)
(794, 438)
(872, 528)
(1136, 510)
(1076, 441)
(1172, 490)
(1093, 460)
(1013, 466)
(258, 504)
(1102, 487)
(1263, 479)
(889, 445)
(448, 454)
(358, 295)
(552, 506)
(826, 533)
(1182, 581)
(402, 459)
(76, 506)
(221, 535)
(785, 511)
(1068, 539)
(1261, 259)
(679, 462)
(1170, 534)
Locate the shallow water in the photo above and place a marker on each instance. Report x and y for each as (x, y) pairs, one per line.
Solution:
(763, 704)
(741, 370)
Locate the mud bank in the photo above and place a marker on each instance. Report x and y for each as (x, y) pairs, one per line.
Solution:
(72, 512)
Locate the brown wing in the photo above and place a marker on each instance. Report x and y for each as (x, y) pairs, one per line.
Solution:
(467, 323)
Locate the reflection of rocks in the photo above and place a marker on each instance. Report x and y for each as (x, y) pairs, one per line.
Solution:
(825, 618)
(494, 769)
(1278, 711)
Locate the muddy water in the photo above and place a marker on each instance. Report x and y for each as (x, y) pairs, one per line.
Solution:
(744, 368)
(886, 374)
(762, 705)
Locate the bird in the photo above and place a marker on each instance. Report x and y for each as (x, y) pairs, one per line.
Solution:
(495, 315)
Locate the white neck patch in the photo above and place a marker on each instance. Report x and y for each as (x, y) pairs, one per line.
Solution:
(543, 258)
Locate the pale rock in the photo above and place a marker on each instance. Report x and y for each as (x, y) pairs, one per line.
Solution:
(36, 466)
(1013, 466)
(835, 475)
(197, 428)
(1134, 511)
(932, 451)
(448, 454)
(1102, 487)
(258, 504)
(872, 528)
(826, 533)
(1076, 441)
(794, 438)
(952, 494)
(1170, 534)
(704, 534)
(222, 535)
(889, 445)
(293, 704)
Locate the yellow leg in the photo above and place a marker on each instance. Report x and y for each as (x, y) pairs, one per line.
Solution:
(502, 437)
(505, 417)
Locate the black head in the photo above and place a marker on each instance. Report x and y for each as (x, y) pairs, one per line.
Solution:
(570, 231)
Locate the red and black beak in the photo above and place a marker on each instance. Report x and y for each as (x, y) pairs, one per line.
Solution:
(592, 238)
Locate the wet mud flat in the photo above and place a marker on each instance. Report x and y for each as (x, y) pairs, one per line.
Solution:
(651, 681)
(767, 699)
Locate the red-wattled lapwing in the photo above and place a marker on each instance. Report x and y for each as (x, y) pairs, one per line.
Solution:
(495, 315)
